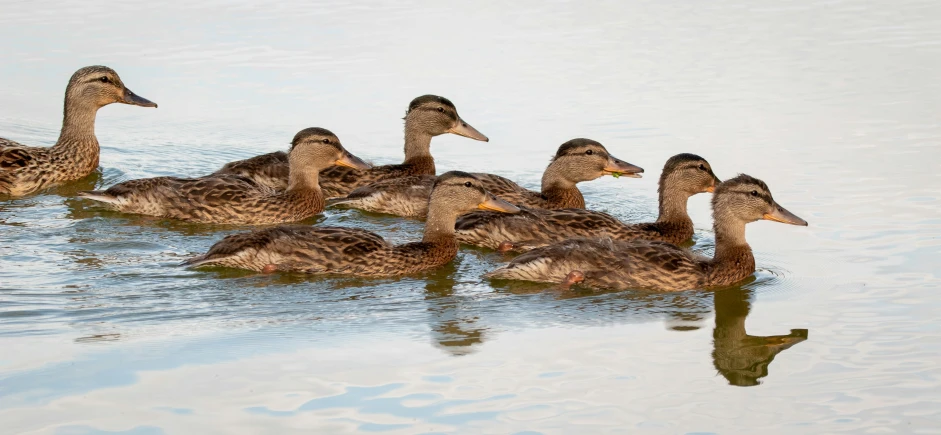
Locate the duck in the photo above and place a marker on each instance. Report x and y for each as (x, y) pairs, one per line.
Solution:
(235, 199)
(25, 170)
(354, 251)
(575, 161)
(683, 176)
(427, 116)
(604, 263)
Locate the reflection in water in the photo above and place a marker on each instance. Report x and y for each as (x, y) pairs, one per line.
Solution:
(743, 358)
(454, 328)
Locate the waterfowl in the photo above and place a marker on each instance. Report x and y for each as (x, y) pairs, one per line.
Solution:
(25, 170)
(427, 116)
(612, 264)
(683, 176)
(353, 251)
(234, 199)
(575, 161)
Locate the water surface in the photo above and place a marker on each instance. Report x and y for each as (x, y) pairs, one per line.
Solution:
(835, 105)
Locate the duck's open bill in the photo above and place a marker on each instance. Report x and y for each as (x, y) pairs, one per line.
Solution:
(464, 129)
(351, 161)
(618, 167)
(137, 100)
(496, 204)
(780, 214)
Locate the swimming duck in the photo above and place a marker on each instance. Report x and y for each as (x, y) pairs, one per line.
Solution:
(427, 116)
(25, 170)
(683, 176)
(353, 251)
(611, 264)
(234, 199)
(576, 161)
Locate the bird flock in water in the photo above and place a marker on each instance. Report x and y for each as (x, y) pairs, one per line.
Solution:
(558, 240)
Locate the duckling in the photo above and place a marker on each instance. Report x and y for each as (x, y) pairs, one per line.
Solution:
(353, 251)
(25, 170)
(427, 116)
(683, 176)
(234, 199)
(576, 161)
(610, 264)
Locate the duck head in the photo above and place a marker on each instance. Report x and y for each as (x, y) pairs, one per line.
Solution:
(434, 115)
(688, 173)
(462, 192)
(101, 86)
(583, 160)
(317, 148)
(745, 199)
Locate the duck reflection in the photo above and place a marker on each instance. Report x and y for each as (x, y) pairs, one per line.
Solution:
(741, 358)
(454, 327)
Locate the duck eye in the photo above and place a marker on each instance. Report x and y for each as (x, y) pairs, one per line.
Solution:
(467, 184)
(104, 80)
(754, 193)
(441, 109)
(589, 152)
(326, 141)
(702, 166)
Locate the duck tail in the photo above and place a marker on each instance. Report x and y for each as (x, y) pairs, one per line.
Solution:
(343, 201)
(101, 196)
(199, 260)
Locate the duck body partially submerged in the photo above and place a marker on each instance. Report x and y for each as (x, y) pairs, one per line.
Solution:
(25, 170)
(427, 116)
(576, 161)
(351, 251)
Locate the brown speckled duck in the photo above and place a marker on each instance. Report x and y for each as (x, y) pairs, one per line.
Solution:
(234, 199)
(608, 264)
(427, 116)
(353, 251)
(576, 161)
(683, 176)
(25, 170)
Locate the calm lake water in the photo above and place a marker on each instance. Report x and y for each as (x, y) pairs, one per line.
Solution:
(834, 104)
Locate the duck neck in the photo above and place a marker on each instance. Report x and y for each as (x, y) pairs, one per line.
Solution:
(559, 191)
(673, 210)
(418, 146)
(78, 130)
(439, 226)
(733, 260)
(302, 176)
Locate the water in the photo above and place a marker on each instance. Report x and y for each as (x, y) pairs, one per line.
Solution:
(833, 104)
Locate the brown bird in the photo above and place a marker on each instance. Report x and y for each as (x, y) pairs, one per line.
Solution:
(576, 161)
(683, 176)
(353, 251)
(234, 199)
(25, 170)
(611, 264)
(427, 116)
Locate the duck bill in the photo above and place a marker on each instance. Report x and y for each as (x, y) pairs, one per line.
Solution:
(496, 204)
(715, 182)
(464, 129)
(136, 100)
(351, 161)
(618, 167)
(780, 214)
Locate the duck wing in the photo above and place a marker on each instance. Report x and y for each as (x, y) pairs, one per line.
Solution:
(508, 190)
(267, 169)
(405, 196)
(298, 248)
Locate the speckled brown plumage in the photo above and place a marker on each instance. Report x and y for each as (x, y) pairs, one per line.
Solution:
(610, 264)
(427, 116)
(234, 199)
(683, 175)
(352, 251)
(576, 161)
(25, 170)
